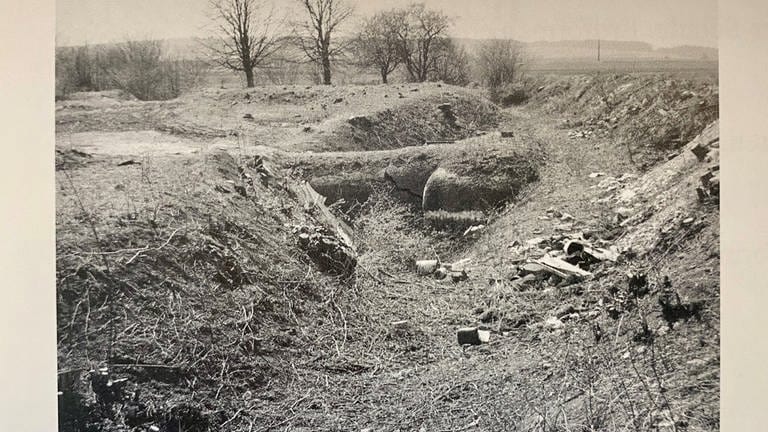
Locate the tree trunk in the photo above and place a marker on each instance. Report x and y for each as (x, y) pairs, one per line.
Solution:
(383, 76)
(326, 70)
(248, 77)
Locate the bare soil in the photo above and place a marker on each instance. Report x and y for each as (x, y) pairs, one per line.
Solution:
(181, 275)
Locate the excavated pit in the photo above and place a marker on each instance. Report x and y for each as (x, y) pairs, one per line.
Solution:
(475, 174)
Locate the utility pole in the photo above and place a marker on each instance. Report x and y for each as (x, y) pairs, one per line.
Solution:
(598, 50)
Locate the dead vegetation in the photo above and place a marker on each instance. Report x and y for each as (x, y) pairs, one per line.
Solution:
(652, 116)
(196, 291)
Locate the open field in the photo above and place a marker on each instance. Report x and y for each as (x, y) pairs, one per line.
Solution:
(188, 302)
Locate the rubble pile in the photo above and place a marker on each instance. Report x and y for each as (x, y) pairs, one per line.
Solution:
(328, 251)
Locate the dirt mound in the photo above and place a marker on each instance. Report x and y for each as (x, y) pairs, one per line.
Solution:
(173, 305)
(445, 117)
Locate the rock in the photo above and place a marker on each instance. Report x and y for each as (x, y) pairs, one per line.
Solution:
(554, 213)
(488, 315)
(441, 273)
(596, 174)
(525, 281)
(331, 253)
(688, 221)
(700, 151)
(472, 336)
(507, 134)
(248, 116)
(624, 212)
(553, 323)
(534, 269)
(458, 276)
(566, 217)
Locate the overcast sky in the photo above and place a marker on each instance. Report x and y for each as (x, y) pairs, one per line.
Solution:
(659, 22)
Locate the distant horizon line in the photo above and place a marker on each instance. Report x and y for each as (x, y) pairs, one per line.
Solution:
(655, 47)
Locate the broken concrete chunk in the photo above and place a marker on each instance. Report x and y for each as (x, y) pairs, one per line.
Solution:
(472, 336)
(700, 151)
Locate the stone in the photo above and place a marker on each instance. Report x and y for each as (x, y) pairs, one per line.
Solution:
(564, 310)
(553, 323)
(472, 336)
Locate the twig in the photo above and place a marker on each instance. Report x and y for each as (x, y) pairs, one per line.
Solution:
(157, 248)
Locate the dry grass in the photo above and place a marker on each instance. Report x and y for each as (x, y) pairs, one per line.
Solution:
(200, 297)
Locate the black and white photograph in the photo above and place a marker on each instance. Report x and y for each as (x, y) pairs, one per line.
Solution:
(375, 216)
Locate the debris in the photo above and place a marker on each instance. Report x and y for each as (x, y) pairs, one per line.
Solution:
(425, 267)
(129, 162)
(566, 217)
(688, 221)
(596, 174)
(534, 269)
(562, 268)
(637, 284)
(328, 251)
(553, 323)
(700, 151)
(458, 276)
(472, 336)
(248, 116)
(338, 100)
(624, 212)
(441, 273)
(520, 284)
(507, 134)
(673, 309)
(473, 229)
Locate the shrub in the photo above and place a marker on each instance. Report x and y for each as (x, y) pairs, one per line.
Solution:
(140, 68)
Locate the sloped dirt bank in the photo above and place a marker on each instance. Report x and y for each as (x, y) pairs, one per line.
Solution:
(652, 116)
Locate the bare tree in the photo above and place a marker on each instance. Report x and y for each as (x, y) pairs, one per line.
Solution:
(498, 62)
(377, 43)
(417, 39)
(323, 19)
(249, 35)
(451, 63)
